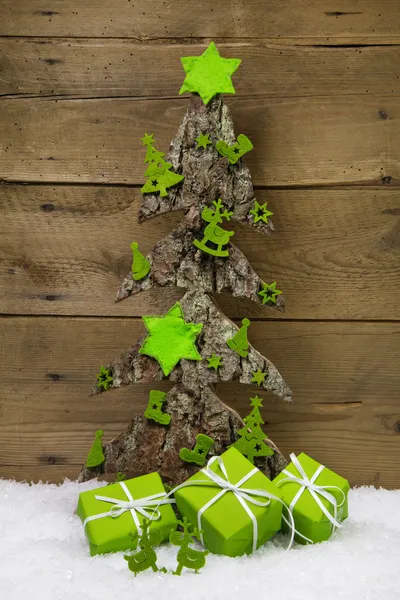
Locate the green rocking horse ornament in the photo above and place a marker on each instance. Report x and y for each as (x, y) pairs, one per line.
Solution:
(145, 558)
(213, 233)
(187, 557)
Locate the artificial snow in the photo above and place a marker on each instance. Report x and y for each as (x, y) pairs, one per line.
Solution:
(44, 556)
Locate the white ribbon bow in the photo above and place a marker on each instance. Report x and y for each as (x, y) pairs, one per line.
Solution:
(141, 506)
(243, 495)
(315, 490)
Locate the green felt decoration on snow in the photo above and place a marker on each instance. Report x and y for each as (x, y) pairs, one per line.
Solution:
(187, 557)
(251, 437)
(214, 235)
(96, 456)
(170, 338)
(237, 150)
(154, 408)
(258, 377)
(203, 141)
(214, 362)
(269, 292)
(146, 557)
(104, 378)
(140, 264)
(209, 74)
(260, 212)
(199, 452)
(239, 343)
(159, 173)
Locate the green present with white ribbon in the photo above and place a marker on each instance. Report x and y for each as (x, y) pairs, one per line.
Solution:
(316, 497)
(112, 515)
(235, 506)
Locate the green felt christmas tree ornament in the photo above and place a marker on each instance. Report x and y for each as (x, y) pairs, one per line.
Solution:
(239, 342)
(251, 437)
(199, 452)
(159, 172)
(187, 557)
(96, 456)
(146, 557)
(237, 150)
(140, 264)
(154, 408)
(214, 235)
(104, 378)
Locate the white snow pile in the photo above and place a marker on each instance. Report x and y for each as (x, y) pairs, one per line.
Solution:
(44, 556)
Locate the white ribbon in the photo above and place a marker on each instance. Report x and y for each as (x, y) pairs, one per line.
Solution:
(315, 490)
(141, 506)
(243, 495)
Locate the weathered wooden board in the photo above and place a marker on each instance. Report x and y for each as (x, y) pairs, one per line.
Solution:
(345, 380)
(298, 141)
(308, 20)
(91, 68)
(64, 250)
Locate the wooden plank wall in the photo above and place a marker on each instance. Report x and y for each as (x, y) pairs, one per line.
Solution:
(318, 92)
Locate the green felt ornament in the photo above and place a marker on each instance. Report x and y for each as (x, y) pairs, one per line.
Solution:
(269, 293)
(251, 437)
(159, 173)
(104, 378)
(140, 264)
(214, 235)
(258, 377)
(154, 408)
(199, 452)
(96, 456)
(120, 477)
(214, 362)
(239, 343)
(260, 212)
(209, 74)
(146, 557)
(187, 557)
(203, 141)
(237, 150)
(170, 339)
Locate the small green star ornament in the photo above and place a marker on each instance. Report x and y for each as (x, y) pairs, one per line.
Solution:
(260, 212)
(104, 378)
(269, 293)
(258, 377)
(170, 339)
(203, 141)
(209, 74)
(147, 140)
(214, 362)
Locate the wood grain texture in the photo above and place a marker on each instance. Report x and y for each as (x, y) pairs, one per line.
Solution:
(302, 141)
(307, 20)
(64, 250)
(90, 68)
(47, 368)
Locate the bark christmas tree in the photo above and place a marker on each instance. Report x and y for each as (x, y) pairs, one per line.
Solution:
(193, 344)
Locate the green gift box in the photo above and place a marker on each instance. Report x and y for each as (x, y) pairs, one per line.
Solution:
(112, 514)
(317, 497)
(238, 512)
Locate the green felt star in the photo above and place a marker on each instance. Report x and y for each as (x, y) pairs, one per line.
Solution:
(256, 402)
(260, 212)
(170, 338)
(258, 377)
(269, 293)
(209, 74)
(203, 141)
(104, 378)
(147, 140)
(214, 362)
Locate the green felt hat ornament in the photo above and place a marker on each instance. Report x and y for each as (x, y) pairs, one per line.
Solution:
(140, 264)
(96, 456)
(239, 343)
